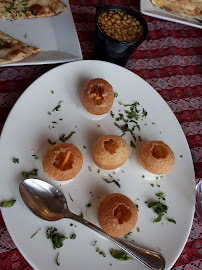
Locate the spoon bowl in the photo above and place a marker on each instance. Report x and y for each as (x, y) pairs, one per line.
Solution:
(49, 203)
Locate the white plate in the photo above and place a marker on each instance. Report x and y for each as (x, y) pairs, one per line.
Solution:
(56, 37)
(147, 8)
(26, 132)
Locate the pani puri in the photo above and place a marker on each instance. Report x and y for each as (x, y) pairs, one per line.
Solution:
(62, 161)
(117, 215)
(110, 152)
(156, 157)
(97, 96)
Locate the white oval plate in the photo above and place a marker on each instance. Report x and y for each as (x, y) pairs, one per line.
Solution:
(26, 133)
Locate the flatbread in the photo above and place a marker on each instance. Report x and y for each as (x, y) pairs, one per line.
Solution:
(27, 9)
(191, 9)
(12, 50)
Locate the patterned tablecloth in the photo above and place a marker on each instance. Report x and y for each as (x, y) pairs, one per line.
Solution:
(170, 61)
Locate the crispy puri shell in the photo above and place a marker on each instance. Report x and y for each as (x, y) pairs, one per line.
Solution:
(56, 173)
(109, 221)
(156, 164)
(88, 101)
(104, 159)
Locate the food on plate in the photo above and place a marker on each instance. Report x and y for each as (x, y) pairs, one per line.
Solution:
(120, 26)
(27, 9)
(156, 157)
(13, 50)
(117, 214)
(110, 152)
(188, 8)
(62, 161)
(97, 96)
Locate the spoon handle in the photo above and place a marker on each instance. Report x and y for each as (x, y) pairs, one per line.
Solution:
(153, 260)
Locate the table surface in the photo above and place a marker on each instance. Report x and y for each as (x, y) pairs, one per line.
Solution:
(171, 61)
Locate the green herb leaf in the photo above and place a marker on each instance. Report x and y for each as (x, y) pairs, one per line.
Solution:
(89, 168)
(64, 139)
(56, 238)
(52, 143)
(35, 233)
(132, 144)
(81, 215)
(171, 220)
(120, 255)
(35, 156)
(112, 114)
(88, 205)
(15, 160)
(57, 108)
(98, 171)
(102, 253)
(138, 229)
(56, 260)
(94, 243)
(73, 236)
(159, 208)
(52, 92)
(115, 95)
(8, 203)
(27, 174)
(161, 195)
(70, 197)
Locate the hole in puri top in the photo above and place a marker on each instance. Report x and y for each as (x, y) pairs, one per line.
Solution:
(60, 158)
(111, 146)
(96, 94)
(159, 152)
(122, 213)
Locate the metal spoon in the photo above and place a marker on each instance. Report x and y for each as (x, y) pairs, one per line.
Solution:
(49, 203)
(198, 205)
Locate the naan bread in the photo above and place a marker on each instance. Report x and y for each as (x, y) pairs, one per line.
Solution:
(12, 50)
(191, 9)
(27, 9)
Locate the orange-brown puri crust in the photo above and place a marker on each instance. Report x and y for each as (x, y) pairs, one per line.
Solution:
(156, 157)
(97, 96)
(54, 157)
(117, 215)
(110, 152)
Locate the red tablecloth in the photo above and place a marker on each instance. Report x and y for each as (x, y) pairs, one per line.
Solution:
(170, 61)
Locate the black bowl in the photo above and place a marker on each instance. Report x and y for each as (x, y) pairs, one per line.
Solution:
(112, 50)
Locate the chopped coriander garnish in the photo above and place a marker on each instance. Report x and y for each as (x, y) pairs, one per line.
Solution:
(27, 174)
(161, 195)
(35, 156)
(70, 197)
(35, 233)
(89, 168)
(84, 146)
(52, 143)
(171, 220)
(102, 253)
(112, 114)
(157, 178)
(81, 215)
(49, 113)
(54, 122)
(56, 238)
(161, 176)
(98, 125)
(137, 206)
(153, 123)
(138, 229)
(71, 224)
(88, 205)
(152, 185)
(94, 243)
(110, 264)
(143, 176)
(144, 113)
(98, 171)
(64, 139)
(57, 108)
(158, 185)
(132, 144)
(120, 255)
(159, 208)
(52, 92)
(57, 262)
(181, 155)
(128, 234)
(110, 175)
(113, 181)
(139, 138)
(8, 203)
(73, 236)
(15, 160)
(115, 95)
